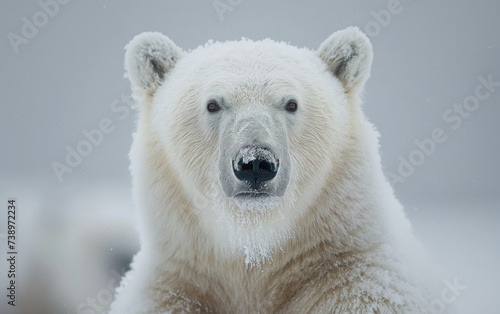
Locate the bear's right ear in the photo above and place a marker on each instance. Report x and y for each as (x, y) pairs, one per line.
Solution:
(148, 58)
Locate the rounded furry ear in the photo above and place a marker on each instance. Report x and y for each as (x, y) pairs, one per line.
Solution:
(148, 58)
(348, 55)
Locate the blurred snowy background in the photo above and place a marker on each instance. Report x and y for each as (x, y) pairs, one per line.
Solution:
(61, 76)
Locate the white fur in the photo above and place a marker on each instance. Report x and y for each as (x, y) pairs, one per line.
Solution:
(336, 241)
(149, 56)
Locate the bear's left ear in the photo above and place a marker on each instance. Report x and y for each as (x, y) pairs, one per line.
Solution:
(348, 55)
(148, 59)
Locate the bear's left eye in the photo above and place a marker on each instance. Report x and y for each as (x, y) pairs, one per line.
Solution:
(213, 106)
(291, 106)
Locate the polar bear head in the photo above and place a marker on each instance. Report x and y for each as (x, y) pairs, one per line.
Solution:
(245, 132)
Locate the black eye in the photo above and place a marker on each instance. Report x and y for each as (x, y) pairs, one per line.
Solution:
(291, 106)
(213, 106)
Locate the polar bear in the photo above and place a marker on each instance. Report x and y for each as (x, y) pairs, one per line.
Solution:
(258, 184)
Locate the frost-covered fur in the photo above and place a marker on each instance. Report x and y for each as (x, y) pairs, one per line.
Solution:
(335, 241)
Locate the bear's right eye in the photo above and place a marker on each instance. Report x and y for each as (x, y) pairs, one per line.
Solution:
(291, 106)
(213, 106)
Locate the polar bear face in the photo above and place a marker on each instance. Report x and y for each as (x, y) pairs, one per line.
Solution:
(251, 128)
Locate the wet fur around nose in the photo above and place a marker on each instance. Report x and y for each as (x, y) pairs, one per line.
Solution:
(250, 136)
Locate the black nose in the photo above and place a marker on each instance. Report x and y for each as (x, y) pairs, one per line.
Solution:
(255, 171)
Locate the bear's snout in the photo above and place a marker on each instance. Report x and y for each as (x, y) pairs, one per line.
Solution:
(255, 165)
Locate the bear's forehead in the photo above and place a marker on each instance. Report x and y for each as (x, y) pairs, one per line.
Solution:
(250, 83)
(249, 69)
(249, 58)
